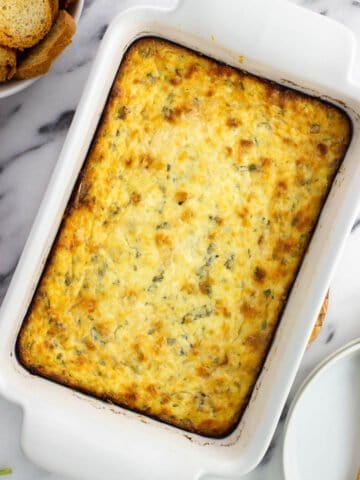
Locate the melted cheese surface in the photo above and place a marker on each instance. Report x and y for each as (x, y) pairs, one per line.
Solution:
(181, 242)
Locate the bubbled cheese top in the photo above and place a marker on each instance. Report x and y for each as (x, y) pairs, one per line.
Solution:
(179, 246)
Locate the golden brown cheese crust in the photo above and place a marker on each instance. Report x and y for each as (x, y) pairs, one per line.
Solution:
(183, 238)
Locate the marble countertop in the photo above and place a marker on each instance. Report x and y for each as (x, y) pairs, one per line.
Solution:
(33, 125)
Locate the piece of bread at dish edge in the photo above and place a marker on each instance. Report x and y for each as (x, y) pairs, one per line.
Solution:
(320, 320)
(40, 58)
(7, 63)
(23, 23)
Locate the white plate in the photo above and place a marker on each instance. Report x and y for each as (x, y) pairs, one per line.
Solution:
(322, 436)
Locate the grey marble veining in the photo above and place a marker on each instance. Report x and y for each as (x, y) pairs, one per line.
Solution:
(33, 125)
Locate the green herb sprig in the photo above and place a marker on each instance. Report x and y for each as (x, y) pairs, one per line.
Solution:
(5, 471)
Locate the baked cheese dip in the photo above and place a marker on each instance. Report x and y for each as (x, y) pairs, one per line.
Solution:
(183, 238)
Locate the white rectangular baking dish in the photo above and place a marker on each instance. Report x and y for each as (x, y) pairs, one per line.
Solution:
(73, 434)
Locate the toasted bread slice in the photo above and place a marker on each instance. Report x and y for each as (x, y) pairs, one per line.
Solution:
(38, 61)
(66, 3)
(7, 63)
(54, 9)
(23, 23)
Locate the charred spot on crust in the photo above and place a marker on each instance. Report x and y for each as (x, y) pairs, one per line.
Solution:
(232, 122)
(152, 390)
(135, 198)
(172, 114)
(221, 70)
(205, 286)
(162, 239)
(282, 185)
(181, 197)
(322, 148)
(248, 310)
(130, 397)
(146, 161)
(193, 68)
(129, 162)
(246, 143)
(259, 274)
(122, 112)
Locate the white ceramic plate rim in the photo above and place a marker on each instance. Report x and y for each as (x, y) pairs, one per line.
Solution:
(345, 351)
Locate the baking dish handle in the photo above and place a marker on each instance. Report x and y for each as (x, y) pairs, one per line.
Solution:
(63, 438)
(48, 439)
(279, 31)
